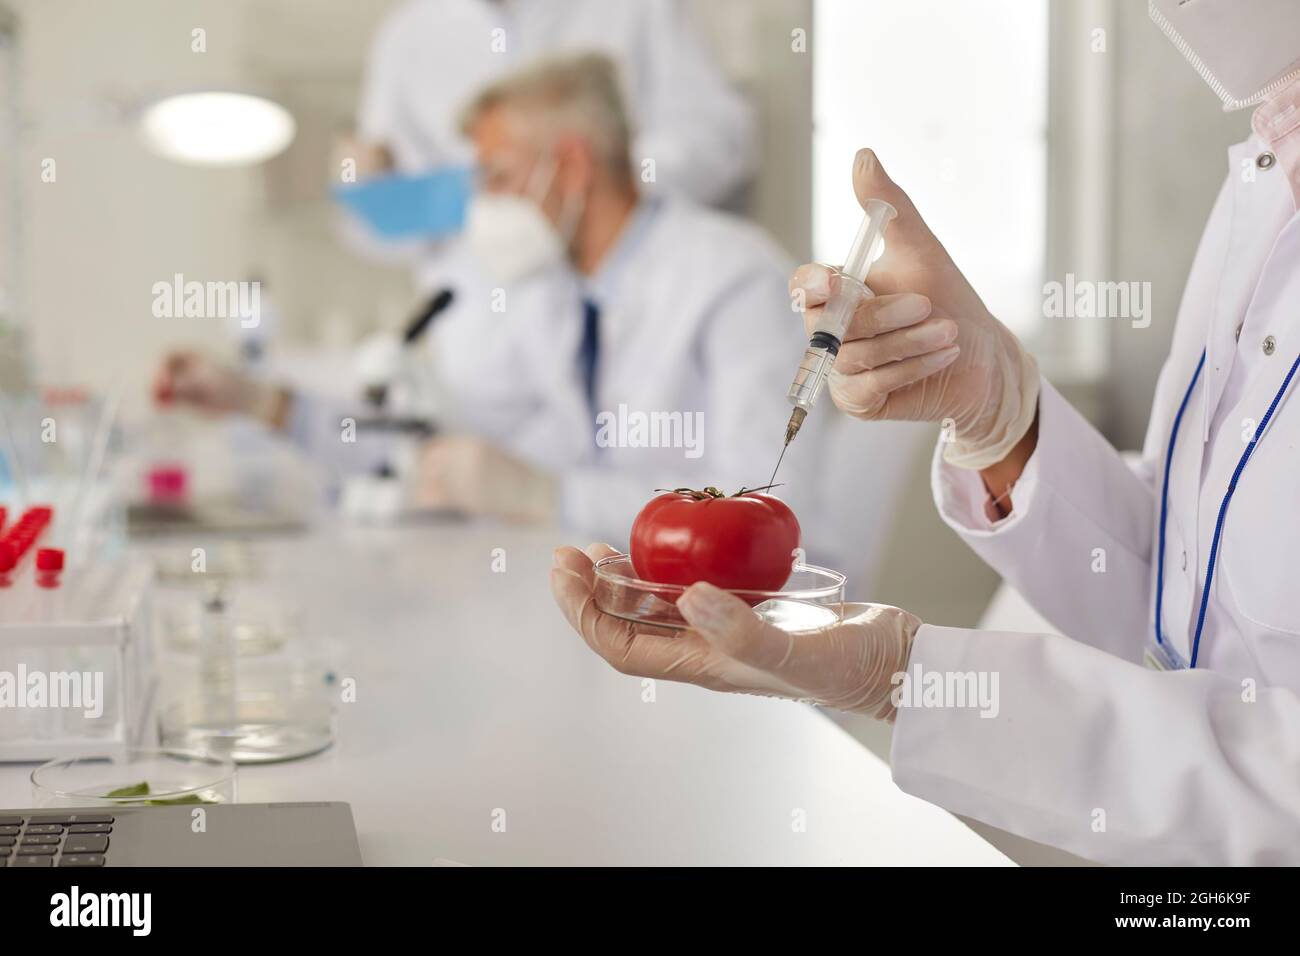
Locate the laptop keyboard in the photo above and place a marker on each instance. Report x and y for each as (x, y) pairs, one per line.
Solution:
(54, 839)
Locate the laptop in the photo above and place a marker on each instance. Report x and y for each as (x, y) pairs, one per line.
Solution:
(230, 834)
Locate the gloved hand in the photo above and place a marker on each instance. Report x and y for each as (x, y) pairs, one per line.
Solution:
(925, 348)
(189, 378)
(471, 475)
(848, 666)
(365, 159)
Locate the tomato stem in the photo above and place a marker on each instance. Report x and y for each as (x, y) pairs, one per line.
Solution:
(711, 492)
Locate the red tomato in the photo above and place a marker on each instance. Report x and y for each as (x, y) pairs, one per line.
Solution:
(746, 541)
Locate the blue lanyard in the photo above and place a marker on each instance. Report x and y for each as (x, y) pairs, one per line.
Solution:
(1223, 506)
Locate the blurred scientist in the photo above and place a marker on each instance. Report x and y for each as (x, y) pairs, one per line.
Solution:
(635, 343)
(694, 136)
(1185, 563)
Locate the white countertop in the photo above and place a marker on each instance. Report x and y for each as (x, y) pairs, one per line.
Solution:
(474, 697)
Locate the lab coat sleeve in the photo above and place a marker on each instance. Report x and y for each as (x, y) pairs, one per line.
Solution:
(1104, 758)
(319, 426)
(1077, 544)
(699, 131)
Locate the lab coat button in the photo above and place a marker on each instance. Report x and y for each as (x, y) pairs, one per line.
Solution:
(1270, 345)
(1184, 560)
(1265, 160)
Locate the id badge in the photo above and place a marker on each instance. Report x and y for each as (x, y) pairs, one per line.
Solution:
(1162, 657)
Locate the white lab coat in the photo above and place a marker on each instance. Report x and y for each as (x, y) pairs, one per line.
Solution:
(429, 57)
(695, 318)
(1091, 751)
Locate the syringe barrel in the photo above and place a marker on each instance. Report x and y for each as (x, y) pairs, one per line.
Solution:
(808, 380)
(846, 294)
(824, 344)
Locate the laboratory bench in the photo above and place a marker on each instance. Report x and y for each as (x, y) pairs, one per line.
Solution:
(479, 729)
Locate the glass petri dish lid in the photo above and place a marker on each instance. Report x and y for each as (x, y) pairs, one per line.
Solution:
(134, 777)
(812, 597)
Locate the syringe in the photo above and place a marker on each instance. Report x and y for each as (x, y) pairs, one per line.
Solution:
(847, 290)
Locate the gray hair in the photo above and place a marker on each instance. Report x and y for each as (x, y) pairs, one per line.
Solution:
(573, 94)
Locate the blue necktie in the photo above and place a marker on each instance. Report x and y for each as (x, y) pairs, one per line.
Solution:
(588, 353)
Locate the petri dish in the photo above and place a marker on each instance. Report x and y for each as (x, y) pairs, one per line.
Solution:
(133, 778)
(264, 725)
(812, 597)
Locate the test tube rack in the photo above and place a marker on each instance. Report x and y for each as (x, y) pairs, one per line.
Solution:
(95, 661)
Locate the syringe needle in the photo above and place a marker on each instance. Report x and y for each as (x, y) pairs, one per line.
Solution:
(796, 422)
(791, 429)
(778, 463)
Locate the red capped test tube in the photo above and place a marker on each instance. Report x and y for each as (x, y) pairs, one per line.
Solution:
(49, 567)
(8, 561)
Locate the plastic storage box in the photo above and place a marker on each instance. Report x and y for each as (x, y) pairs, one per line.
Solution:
(76, 671)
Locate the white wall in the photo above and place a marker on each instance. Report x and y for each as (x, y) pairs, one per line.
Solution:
(1171, 141)
(116, 220)
(953, 98)
(755, 43)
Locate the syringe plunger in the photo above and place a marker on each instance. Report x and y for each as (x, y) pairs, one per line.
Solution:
(866, 248)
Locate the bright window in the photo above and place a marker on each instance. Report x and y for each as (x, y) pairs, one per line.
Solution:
(952, 96)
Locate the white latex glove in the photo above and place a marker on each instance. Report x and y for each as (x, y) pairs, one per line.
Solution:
(205, 384)
(363, 159)
(848, 666)
(468, 474)
(925, 348)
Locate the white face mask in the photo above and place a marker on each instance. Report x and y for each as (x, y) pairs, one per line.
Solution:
(1244, 49)
(512, 234)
